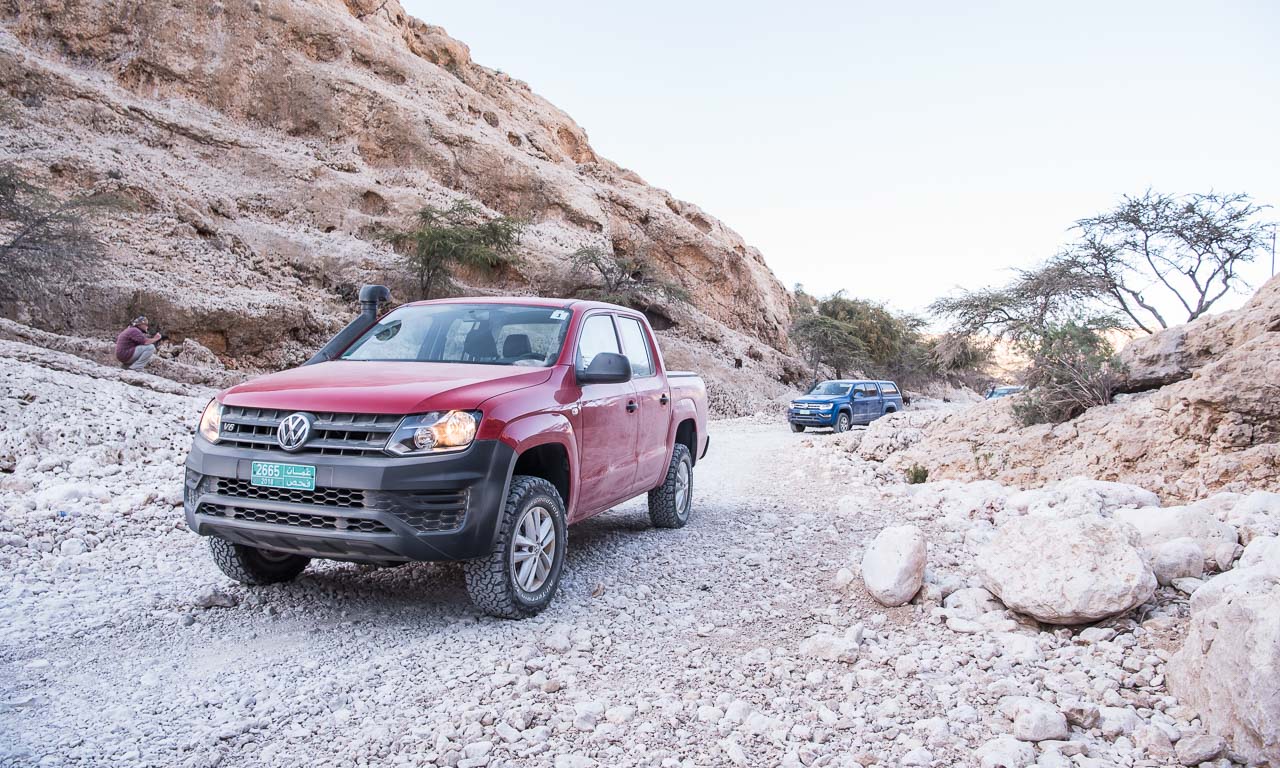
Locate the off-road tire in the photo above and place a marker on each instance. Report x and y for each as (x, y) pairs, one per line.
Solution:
(843, 422)
(490, 581)
(249, 565)
(664, 509)
(797, 427)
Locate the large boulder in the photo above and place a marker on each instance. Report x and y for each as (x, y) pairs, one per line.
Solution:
(1257, 514)
(1176, 559)
(893, 564)
(1228, 668)
(1066, 571)
(1161, 525)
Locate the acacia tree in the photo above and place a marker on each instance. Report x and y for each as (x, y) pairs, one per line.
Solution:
(830, 342)
(620, 278)
(41, 235)
(457, 236)
(1156, 251)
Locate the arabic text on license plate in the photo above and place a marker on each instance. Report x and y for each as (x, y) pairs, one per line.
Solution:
(272, 474)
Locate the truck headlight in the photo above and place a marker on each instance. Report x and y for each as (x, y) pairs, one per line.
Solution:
(825, 407)
(433, 433)
(211, 421)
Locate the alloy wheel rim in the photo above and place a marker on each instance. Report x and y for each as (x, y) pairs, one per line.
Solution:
(533, 549)
(682, 488)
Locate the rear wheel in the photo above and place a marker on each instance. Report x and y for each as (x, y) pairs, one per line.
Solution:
(843, 422)
(797, 427)
(669, 503)
(521, 573)
(250, 565)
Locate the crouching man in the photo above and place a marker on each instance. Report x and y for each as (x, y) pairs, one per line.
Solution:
(134, 348)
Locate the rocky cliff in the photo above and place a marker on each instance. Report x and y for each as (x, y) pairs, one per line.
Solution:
(1202, 415)
(262, 143)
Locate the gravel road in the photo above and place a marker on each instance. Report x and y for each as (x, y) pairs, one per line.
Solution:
(107, 658)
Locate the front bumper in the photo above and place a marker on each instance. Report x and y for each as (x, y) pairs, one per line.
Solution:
(375, 509)
(812, 418)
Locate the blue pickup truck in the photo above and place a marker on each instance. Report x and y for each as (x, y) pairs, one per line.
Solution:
(843, 403)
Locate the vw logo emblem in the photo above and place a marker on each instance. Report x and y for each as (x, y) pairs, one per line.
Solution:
(293, 432)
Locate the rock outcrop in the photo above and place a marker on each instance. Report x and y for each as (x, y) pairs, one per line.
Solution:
(1215, 427)
(263, 144)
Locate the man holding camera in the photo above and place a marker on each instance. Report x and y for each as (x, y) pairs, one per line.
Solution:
(134, 348)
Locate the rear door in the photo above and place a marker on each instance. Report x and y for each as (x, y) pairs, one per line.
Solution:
(654, 401)
(607, 429)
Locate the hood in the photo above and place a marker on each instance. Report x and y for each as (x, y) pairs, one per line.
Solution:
(818, 398)
(359, 386)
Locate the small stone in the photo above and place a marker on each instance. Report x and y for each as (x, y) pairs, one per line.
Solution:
(212, 597)
(1033, 719)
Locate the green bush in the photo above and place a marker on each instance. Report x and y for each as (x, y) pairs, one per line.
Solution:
(917, 474)
(1071, 371)
(457, 236)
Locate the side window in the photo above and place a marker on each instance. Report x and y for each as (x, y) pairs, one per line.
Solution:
(597, 336)
(868, 390)
(636, 345)
(890, 389)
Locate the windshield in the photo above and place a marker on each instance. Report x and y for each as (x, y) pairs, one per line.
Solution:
(483, 334)
(831, 388)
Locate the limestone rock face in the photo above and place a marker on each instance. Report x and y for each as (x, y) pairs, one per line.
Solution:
(262, 145)
(1068, 570)
(893, 564)
(1214, 427)
(1173, 355)
(1228, 668)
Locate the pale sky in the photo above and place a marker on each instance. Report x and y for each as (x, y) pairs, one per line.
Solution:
(897, 150)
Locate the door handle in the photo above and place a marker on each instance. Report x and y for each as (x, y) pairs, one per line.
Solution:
(664, 399)
(631, 406)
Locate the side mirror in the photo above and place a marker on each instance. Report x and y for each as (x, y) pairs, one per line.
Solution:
(606, 368)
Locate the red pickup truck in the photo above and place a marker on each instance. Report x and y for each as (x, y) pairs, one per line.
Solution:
(471, 429)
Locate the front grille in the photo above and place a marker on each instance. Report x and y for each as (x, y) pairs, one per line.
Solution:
(428, 511)
(329, 497)
(333, 434)
(295, 519)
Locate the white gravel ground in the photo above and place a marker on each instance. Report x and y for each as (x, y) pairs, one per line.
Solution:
(743, 639)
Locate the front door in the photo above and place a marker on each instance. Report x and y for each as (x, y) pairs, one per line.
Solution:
(606, 428)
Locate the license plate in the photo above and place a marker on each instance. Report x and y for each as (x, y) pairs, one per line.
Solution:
(802, 412)
(271, 474)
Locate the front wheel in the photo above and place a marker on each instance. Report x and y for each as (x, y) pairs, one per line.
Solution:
(669, 503)
(521, 573)
(249, 565)
(797, 427)
(843, 422)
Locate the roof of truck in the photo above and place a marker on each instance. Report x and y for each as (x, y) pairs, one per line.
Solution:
(530, 301)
